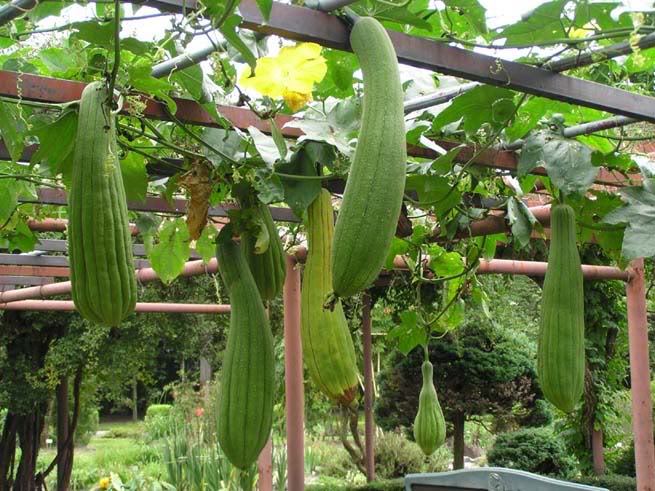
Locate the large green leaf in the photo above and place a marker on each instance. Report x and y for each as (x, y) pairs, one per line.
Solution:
(172, 251)
(567, 162)
(11, 129)
(299, 194)
(639, 216)
(409, 333)
(56, 144)
(135, 177)
(483, 104)
(542, 24)
(521, 220)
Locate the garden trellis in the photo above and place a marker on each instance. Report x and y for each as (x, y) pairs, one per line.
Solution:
(305, 24)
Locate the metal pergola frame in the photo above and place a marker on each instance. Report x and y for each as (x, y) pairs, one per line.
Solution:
(303, 24)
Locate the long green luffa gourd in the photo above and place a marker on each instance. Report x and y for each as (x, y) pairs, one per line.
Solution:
(328, 347)
(268, 268)
(99, 239)
(561, 353)
(245, 406)
(376, 182)
(429, 424)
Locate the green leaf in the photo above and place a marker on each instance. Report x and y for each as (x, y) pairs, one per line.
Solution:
(483, 104)
(136, 46)
(8, 199)
(141, 79)
(567, 162)
(338, 81)
(278, 138)
(228, 29)
(299, 194)
(99, 33)
(57, 60)
(135, 177)
(229, 143)
(172, 251)
(11, 130)
(638, 214)
(521, 220)
(206, 244)
(266, 146)
(21, 238)
(265, 7)
(56, 144)
(435, 192)
(542, 24)
(445, 263)
(409, 334)
(268, 186)
(398, 247)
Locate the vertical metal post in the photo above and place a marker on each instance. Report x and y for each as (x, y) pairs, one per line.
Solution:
(293, 379)
(598, 452)
(265, 467)
(369, 423)
(642, 407)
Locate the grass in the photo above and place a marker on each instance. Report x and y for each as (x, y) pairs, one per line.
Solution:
(120, 451)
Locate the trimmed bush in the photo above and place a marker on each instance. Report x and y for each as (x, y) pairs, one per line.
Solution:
(613, 482)
(389, 485)
(536, 450)
(155, 410)
(396, 456)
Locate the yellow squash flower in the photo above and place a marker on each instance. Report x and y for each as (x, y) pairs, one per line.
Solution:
(104, 483)
(290, 75)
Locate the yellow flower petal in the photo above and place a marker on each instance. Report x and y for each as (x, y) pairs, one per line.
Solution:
(296, 100)
(294, 70)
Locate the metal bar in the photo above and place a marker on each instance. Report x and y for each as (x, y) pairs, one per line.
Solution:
(369, 423)
(15, 9)
(265, 467)
(185, 60)
(159, 205)
(537, 268)
(437, 98)
(44, 264)
(141, 307)
(15, 270)
(642, 407)
(598, 55)
(59, 225)
(46, 89)
(145, 275)
(293, 379)
(303, 24)
(494, 224)
(597, 451)
(583, 129)
(26, 280)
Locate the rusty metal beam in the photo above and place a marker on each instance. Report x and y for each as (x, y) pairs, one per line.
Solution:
(58, 197)
(46, 89)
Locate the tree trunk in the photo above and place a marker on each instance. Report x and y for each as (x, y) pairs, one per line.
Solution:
(29, 432)
(65, 465)
(135, 401)
(458, 440)
(8, 451)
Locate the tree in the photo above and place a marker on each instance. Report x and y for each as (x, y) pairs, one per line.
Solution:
(478, 370)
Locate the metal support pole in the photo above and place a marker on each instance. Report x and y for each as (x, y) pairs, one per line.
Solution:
(185, 60)
(15, 9)
(369, 423)
(293, 379)
(596, 56)
(437, 98)
(642, 407)
(265, 467)
(598, 452)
